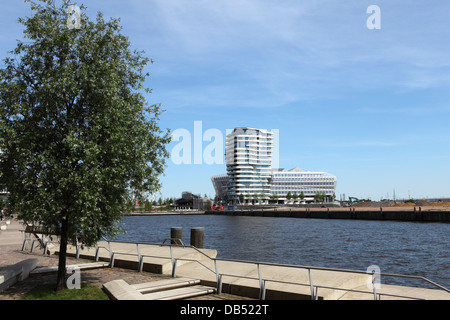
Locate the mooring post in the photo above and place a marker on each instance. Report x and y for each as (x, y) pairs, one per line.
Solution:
(176, 233)
(197, 237)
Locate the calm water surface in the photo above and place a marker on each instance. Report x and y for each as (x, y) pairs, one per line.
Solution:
(411, 248)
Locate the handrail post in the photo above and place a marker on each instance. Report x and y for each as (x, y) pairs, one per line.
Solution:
(262, 289)
(110, 251)
(374, 286)
(46, 241)
(24, 240)
(218, 278)
(174, 263)
(311, 284)
(174, 269)
(141, 263)
(96, 252)
(219, 284)
(111, 263)
(263, 296)
(111, 255)
(139, 257)
(77, 244)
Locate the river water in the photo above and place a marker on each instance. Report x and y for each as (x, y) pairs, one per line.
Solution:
(408, 248)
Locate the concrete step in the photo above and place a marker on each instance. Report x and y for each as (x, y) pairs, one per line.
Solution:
(157, 290)
(180, 293)
(161, 285)
(17, 272)
(82, 266)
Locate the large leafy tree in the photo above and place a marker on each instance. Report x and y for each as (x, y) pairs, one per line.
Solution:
(78, 137)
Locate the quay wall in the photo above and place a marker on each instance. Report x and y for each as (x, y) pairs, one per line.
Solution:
(346, 213)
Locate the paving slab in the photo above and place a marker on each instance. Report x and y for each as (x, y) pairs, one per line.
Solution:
(120, 290)
(12, 234)
(394, 292)
(82, 266)
(180, 293)
(165, 284)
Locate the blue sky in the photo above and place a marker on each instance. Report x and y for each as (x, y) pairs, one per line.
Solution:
(368, 106)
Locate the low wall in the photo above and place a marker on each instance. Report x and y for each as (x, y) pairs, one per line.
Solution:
(391, 214)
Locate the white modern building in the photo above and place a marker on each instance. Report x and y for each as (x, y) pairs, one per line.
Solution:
(251, 179)
(248, 155)
(298, 185)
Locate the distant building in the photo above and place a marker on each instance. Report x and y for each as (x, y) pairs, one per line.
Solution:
(300, 182)
(248, 156)
(220, 184)
(250, 178)
(189, 200)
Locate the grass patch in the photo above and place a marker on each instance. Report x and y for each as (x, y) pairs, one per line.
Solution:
(47, 292)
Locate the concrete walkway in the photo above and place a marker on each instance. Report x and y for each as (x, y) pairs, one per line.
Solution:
(278, 279)
(325, 280)
(238, 278)
(12, 234)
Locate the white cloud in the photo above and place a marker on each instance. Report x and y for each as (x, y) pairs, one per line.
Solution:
(406, 111)
(357, 144)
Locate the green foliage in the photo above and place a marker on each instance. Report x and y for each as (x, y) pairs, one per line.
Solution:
(148, 205)
(78, 135)
(320, 197)
(47, 292)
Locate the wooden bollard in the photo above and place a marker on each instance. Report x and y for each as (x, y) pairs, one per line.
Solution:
(197, 237)
(176, 233)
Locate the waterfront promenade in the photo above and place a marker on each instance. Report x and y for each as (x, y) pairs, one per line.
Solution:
(10, 254)
(419, 214)
(244, 278)
(240, 279)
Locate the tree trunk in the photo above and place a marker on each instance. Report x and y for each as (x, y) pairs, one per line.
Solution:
(60, 282)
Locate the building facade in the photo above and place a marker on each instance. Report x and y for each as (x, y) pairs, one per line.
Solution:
(298, 185)
(251, 179)
(191, 201)
(248, 155)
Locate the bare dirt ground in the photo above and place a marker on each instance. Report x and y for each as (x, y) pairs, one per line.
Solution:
(424, 205)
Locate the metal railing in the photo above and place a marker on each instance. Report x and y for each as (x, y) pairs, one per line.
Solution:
(314, 289)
